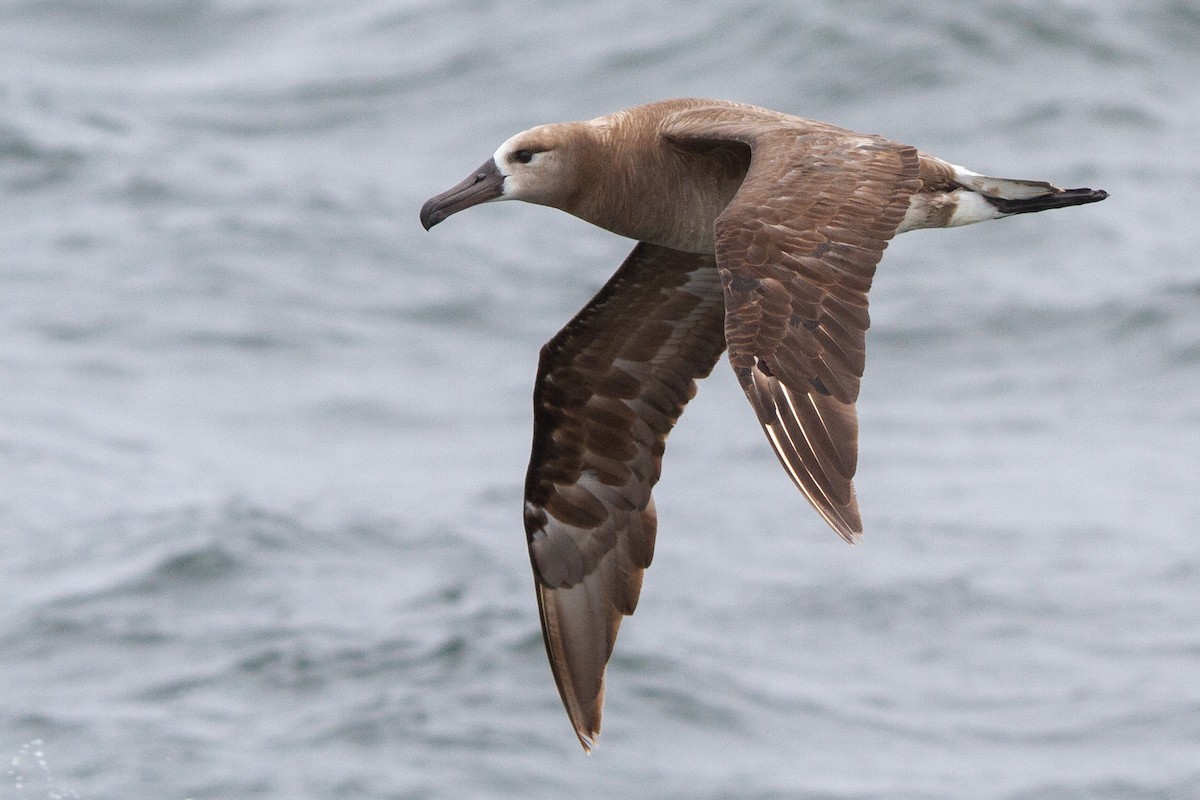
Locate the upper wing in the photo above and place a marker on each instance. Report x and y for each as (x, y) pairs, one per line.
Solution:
(797, 248)
(610, 386)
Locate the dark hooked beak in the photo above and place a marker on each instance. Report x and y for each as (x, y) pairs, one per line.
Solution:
(486, 183)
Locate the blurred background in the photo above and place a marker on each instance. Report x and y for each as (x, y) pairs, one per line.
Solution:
(263, 439)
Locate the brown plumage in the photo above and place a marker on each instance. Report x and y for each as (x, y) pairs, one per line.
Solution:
(758, 232)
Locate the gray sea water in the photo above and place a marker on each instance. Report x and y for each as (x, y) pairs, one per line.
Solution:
(262, 438)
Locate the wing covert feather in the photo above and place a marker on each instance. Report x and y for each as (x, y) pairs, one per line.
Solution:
(797, 249)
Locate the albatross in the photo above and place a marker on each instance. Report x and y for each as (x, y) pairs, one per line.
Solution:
(757, 232)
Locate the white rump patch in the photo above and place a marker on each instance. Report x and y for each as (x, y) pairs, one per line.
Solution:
(971, 207)
(1007, 188)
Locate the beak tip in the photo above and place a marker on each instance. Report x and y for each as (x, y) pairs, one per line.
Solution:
(430, 215)
(486, 183)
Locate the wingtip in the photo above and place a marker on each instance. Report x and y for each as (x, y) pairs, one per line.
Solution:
(587, 740)
(587, 726)
(846, 520)
(850, 537)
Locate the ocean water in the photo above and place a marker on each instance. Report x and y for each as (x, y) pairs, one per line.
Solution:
(262, 438)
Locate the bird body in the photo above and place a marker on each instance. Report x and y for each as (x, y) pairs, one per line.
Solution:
(758, 232)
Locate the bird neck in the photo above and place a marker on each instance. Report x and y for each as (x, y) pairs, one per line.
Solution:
(639, 185)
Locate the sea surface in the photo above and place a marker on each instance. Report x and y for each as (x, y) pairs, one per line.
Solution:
(263, 438)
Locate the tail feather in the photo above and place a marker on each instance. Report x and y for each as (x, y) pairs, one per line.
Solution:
(1059, 198)
(1010, 196)
(1007, 188)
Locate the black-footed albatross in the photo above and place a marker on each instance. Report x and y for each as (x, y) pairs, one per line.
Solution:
(758, 232)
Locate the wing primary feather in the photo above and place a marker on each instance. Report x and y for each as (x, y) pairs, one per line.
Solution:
(831, 495)
(610, 387)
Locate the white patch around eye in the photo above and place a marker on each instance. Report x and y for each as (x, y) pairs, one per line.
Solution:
(502, 159)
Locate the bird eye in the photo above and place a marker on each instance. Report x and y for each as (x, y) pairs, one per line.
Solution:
(523, 156)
